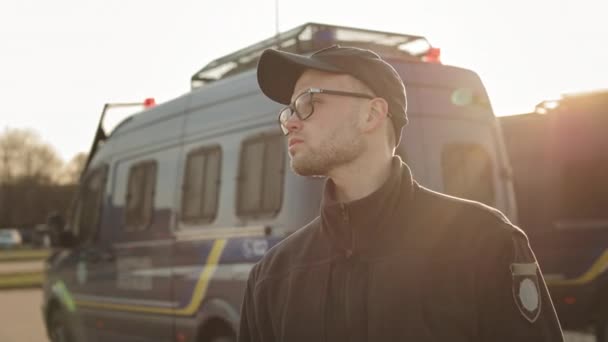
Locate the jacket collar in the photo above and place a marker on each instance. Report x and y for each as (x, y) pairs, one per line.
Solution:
(355, 227)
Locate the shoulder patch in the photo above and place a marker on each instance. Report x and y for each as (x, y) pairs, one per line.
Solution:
(525, 278)
(526, 290)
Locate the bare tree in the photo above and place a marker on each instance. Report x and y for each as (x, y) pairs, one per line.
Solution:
(72, 170)
(29, 170)
(23, 155)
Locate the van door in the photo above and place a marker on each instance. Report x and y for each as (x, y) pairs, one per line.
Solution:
(462, 148)
(463, 159)
(138, 305)
(86, 272)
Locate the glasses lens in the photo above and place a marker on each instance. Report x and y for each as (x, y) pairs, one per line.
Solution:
(284, 115)
(303, 105)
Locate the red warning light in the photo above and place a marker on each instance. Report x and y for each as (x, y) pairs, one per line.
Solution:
(570, 300)
(149, 102)
(432, 56)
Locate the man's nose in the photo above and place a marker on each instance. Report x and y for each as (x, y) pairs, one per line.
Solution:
(294, 123)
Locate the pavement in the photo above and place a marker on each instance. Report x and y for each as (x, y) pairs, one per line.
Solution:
(21, 266)
(20, 316)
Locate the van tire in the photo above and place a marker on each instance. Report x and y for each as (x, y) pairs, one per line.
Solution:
(216, 330)
(59, 329)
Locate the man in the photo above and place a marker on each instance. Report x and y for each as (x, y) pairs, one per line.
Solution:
(387, 259)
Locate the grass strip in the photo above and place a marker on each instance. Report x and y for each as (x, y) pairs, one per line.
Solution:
(24, 255)
(20, 280)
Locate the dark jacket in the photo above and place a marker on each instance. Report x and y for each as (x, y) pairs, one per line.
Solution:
(402, 264)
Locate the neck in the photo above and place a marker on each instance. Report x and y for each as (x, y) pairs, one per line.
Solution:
(361, 177)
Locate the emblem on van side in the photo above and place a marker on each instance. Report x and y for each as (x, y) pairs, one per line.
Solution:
(254, 248)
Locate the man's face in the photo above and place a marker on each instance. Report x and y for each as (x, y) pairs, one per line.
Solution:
(330, 137)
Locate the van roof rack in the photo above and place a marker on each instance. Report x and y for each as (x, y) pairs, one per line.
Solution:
(588, 99)
(308, 38)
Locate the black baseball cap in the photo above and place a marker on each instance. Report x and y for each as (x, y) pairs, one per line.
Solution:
(278, 72)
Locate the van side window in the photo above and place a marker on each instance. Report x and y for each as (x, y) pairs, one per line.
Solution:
(468, 172)
(261, 173)
(201, 185)
(87, 216)
(140, 196)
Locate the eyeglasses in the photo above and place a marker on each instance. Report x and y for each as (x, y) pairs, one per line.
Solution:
(303, 106)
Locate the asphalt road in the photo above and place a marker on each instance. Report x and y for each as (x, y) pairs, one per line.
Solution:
(20, 316)
(21, 320)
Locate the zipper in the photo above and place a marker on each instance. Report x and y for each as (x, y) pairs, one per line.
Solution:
(347, 301)
(345, 219)
(349, 253)
(344, 213)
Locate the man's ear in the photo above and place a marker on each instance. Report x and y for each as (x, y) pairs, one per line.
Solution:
(377, 112)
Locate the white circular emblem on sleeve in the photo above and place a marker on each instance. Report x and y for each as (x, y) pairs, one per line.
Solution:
(528, 294)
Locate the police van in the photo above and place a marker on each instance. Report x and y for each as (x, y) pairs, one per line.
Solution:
(180, 200)
(560, 163)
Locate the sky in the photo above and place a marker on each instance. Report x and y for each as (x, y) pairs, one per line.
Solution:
(61, 60)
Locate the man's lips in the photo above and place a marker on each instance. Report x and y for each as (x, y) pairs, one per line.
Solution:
(294, 141)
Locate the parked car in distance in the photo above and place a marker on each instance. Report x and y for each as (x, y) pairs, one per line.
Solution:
(9, 238)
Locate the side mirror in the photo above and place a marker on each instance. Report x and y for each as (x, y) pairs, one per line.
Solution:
(59, 237)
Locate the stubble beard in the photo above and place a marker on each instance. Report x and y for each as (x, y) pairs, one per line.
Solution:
(330, 154)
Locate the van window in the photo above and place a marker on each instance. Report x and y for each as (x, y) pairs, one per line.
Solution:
(140, 195)
(201, 184)
(87, 212)
(467, 172)
(584, 190)
(261, 173)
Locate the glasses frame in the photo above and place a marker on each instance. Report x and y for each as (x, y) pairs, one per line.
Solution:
(311, 91)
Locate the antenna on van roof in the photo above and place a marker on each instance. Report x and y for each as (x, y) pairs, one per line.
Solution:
(276, 20)
(101, 135)
(308, 38)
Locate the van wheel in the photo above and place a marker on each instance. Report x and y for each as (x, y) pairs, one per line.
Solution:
(216, 330)
(59, 330)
